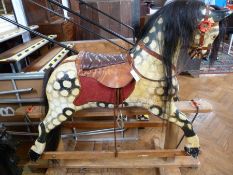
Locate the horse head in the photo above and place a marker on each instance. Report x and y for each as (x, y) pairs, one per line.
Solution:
(209, 31)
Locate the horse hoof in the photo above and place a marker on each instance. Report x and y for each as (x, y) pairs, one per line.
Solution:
(194, 152)
(33, 155)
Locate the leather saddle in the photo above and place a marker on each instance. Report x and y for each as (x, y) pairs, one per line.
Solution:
(110, 70)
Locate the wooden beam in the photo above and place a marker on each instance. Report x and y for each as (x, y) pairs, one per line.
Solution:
(36, 111)
(94, 155)
(187, 107)
(57, 170)
(180, 161)
(171, 136)
(96, 124)
(166, 170)
(170, 171)
(183, 161)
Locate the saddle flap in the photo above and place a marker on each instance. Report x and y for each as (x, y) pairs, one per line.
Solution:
(115, 76)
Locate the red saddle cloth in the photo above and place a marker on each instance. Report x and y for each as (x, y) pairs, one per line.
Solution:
(93, 91)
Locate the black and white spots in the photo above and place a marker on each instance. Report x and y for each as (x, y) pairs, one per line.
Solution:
(110, 105)
(125, 104)
(159, 35)
(182, 116)
(68, 112)
(136, 52)
(56, 86)
(75, 91)
(154, 44)
(156, 110)
(56, 122)
(152, 30)
(138, 60)
(104, 105)
(146, 40)
(61, 118)
(66, 83)
(159, 91)
(160, 20)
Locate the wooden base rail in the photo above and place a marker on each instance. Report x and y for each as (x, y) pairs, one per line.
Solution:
(177, 162)
(97, 155)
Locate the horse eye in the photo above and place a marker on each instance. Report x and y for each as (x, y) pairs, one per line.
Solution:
(214, 36)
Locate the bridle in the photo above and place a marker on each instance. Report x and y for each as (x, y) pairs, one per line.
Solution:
(204, 26)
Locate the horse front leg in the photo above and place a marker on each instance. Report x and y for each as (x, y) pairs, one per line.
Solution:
(178, 118)
(192, 141)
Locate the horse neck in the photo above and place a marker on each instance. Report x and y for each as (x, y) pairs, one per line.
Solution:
(147, 64)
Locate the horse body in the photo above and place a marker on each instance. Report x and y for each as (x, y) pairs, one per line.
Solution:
(151, 90)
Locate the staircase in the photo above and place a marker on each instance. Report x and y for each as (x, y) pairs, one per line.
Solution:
(6, 26)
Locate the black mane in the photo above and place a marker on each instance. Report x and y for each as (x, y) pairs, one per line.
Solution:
(180, 20)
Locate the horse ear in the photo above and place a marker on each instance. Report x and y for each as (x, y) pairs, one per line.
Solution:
(219, 15)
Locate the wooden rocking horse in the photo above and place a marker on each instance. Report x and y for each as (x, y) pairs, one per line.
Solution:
(145, 77)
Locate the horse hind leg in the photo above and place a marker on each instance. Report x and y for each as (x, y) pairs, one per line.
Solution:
(61, 90)
(44, 129)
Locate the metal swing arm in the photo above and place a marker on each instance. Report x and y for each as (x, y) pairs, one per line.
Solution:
(85, 28)
(100, 11)
(39, 34)
(92, 22)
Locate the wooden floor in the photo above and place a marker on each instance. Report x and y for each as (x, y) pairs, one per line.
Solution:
(214, 129)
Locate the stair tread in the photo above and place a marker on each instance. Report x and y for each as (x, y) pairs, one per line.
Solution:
(43, 60)
(20, 51)
(19, 48)
(13, 32)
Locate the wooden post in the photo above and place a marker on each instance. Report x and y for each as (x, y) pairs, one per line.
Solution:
(57, 169)
(171, 136)
(172, 130)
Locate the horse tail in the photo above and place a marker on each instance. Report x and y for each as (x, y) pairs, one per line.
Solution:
(48, 72)
(53, 137)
